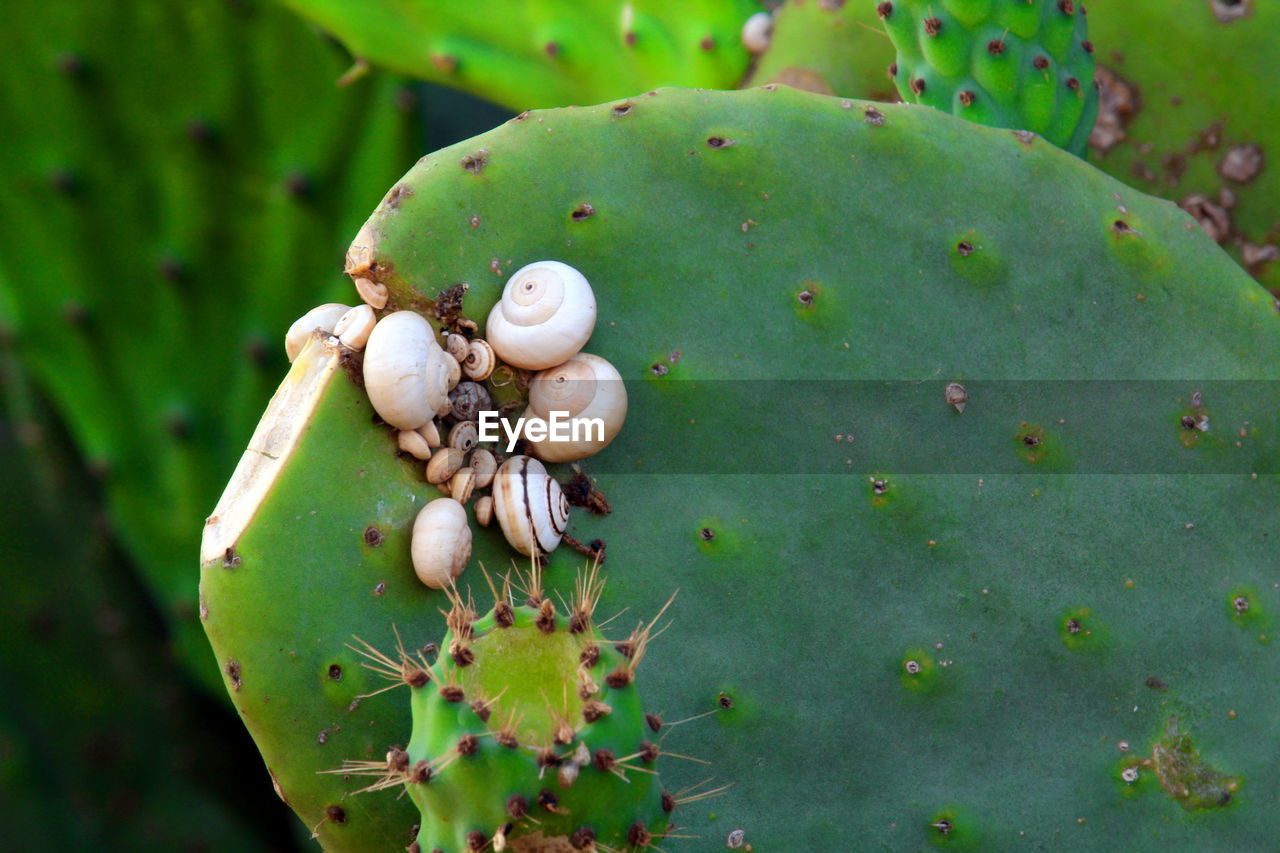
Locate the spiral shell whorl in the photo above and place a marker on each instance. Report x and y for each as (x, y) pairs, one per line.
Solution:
(529, 505)
(585, 387)
(546, 314)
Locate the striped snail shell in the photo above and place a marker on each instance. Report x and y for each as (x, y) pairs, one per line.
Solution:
(480, 360)
(529, 505)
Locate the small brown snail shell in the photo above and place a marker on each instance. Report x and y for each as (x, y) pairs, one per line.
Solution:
(463, 436)
(468, 400)
(412, 441)
(485, 466)
(484, 510)
(462, 484)
(431, 433)
(457, 345)
(444, 463)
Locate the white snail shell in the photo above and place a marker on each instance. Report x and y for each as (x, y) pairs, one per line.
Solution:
(757, 32)
(529, 506)
(431, 433)
(586, 387)
(405, 371)
(546, 314)
(480, 361)
(353, 328)
(413, 442)
(322, 317)
(441, 542)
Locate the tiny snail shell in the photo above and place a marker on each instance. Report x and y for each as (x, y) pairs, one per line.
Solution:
(431, 433)
(353, 327)
(480, 361)
(546, 314)
(444, 463)
(322, 317)
(405, 370)
(457, 346)
(757, 32)
(484, 510)
(485, 466)
(468, 400)
(412, 441)
(455, 373)
(463, 436)
(441, 542)
(462, 484)
(585, 387)
(372, 292)
(529, 505)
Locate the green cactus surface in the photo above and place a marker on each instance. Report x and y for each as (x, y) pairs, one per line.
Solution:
(1005, 63)
(912, 614)
(828, 48)
(178, 178)
(1169, 122)
(547, 53)
(1172, 124)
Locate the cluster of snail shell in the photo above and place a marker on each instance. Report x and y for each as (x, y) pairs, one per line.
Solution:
(432, 394)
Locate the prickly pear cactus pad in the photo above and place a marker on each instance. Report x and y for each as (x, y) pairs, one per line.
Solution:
(1022, 64)
(1170, 124)
(548, 53)
(828, 48)
(1024, 650)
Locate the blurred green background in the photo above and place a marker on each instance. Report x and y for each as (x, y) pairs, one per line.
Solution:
(179, 182)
